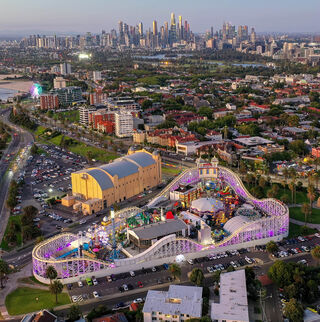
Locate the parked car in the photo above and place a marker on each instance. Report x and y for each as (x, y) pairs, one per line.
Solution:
(95, 294)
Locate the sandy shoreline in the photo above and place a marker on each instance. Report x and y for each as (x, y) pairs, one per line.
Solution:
(17, 85)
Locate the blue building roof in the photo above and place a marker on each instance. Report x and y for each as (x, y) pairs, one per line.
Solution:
(121, 168)
(142, 158)
(102, 178)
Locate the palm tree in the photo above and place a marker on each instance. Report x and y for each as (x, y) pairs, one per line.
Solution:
(51, 273)
(306, 210)
(286, 174)
(56, 288)
(311, 194)
(175, 270)
(292, 187)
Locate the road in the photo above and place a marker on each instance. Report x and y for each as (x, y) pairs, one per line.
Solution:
(111, 295)
(20, 139)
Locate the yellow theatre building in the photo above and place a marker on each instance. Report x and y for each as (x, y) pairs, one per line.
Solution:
(94, 189)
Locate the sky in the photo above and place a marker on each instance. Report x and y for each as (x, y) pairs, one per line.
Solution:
(77, 16)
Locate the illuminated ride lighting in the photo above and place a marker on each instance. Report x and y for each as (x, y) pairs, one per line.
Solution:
(275, 225)
(35, 90)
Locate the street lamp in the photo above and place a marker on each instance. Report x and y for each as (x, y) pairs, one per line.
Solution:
(114, 254)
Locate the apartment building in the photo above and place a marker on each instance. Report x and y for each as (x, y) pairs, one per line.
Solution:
(180, 303)
(123, 124)
(84, 112)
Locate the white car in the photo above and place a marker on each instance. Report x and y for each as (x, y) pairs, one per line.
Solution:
(190, 261)
(74, 298)
(210, 269)
(95, 294)
(303, 261)
(109, 279)
(132, 274)
(94, 281)
(125, 287)
(317, 235)
(233, 264)
(138, 300)
(248, 260)
(153, 269)
(80, 284)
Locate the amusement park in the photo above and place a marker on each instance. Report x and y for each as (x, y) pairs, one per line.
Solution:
(206, 209)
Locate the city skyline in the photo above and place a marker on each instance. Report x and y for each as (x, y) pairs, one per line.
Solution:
(20, 18)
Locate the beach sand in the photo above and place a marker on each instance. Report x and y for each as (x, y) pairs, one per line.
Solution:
(17, 85)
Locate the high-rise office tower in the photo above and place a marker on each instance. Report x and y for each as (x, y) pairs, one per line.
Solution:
(141, 29)
(173, 29)
(166, 32)
(173, 19)
(180, 28)
(253, 36)
(155, 28)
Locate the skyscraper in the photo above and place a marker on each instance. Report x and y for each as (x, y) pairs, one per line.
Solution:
(141, 29)
(173, 19)
(155, 28)
(173, 29)
(253, 36)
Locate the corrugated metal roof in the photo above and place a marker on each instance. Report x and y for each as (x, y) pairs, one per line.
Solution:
(102, 178)
(142, 158)
(162, 228)
(121, 168)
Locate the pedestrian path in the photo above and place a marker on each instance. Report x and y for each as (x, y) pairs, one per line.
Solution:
(301, 223)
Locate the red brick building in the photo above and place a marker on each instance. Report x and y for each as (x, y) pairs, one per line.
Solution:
(49, 101)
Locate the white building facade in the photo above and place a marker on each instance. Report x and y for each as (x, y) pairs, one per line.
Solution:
(123, 124)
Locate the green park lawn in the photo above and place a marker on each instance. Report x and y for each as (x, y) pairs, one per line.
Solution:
(171, 170)
(81, 148)
(296, 213)
(297, 230)
(24, 300)
(301, 196)
(4, 245)
(40, 130)
(97, 154)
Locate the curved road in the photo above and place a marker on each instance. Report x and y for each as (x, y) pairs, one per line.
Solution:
(20, 139)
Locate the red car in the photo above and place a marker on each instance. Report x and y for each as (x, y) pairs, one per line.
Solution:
(140, 284)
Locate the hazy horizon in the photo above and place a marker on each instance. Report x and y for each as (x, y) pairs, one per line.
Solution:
(20, 18)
